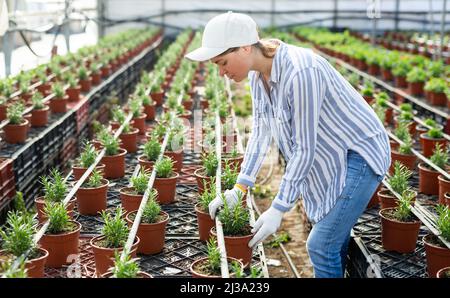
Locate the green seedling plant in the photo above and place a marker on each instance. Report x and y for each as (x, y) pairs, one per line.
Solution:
(213, 256)
(58, 90)
(14, 113)
(82, 73)
(229, 176)
(402, 131)
(17, 236)
(58, 217)
(126, 268)
(399, 180)
(152, 209)
(115, 229)
(406, 147)
(54, 190)
(140, 182)
(430, 122)
(37, 100)
(210, 162)
(111, 145)
(235, 220)
(439, 157)
(88, 156)
(152, 149)
(164, 167)
(435, 133)
(208, 195)
(8, 271)
(95, 180)
(443, 221)
(403, 211)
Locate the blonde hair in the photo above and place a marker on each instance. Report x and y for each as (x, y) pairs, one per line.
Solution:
(266, 46)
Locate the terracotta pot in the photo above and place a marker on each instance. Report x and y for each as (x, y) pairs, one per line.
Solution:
(149, 110)
(96, 78)
(36, 267)
(140, 274)
(74, 93)
(400, 82)
(398, 236)
(387, 199)
(197, 274)
(437, 257)
(105, 71)
(374, 69)
(447, 198)
(386, 74)
(205, 223)
(16, 133)
(429, 144)
(234, 162)
(2, 112)
(59, 105)
(158, 98)
(411, 126)
(40, 204)
(85, 85)
(202, 179)
(177, 157)
(415, 88)
(130, 201)
(444, 187)
(408, 160)
(39, 117)
(115, 164)
(394, 145)
(237, 247)
(428, 180)
(145, 163)
(44, 88)
(139, 123)
(166, 188)
(152, 235)
(443, 273)
(129, 140)
(79, 171)
(104, 257)
(91, 201)
(61, 247)
(188, 104)
(438, 99)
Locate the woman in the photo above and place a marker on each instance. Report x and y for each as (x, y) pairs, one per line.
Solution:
(336, 149)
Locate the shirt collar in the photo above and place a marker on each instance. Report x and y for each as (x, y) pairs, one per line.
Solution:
(275, 74)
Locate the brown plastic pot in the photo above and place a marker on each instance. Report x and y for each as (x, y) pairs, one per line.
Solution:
(139, 123)
(443, 273)
(61, 246)
(447, 199)
(444, 187)
(152, 235)
(398, 236)
(74, 93)
(177, 157)
(438, 98)
(408, 160)
(415, 88)
(79, 171)
(39, 117)
(92, 200)
(40, 204)
(187, 104)
(158, 98)
(166, 188)
(205, 224)
(387, 199)
(429, 144)
(104, 257)
(202, 179)
(59, 105)
(234, 162)
(437, 257)
(16, 133)
(145, 164)
(96, 78)
(149, 110)
(197, 274)
(386, 74)
(115, 164)
(36, 267)
(237, 247)
(129, 140)
(428, 180)
(400, 82)
(130, 201)
(85, 85)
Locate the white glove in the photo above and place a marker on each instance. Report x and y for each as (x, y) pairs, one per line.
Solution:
(267, 224)
(231, 196)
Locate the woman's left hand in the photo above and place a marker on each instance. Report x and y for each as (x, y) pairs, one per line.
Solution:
(267, 224)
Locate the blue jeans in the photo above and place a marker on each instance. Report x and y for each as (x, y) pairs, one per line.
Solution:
(328, 240)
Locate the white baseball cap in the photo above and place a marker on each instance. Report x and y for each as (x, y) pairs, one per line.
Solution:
(227, 30)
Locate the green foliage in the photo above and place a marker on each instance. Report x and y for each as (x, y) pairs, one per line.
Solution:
(417, 74)
(236, 268)
(7, 270)
(126, 268)
(152, 209)
(437, 85)
(152, 149)
(37, 100)
(403, 210)
(406, 107)
(210, 162)
(435, 133)
(229, 176)
(440, 156)
(406, 116)
(115, 229)
(58, 217)
(430, 122)
(58, 90)
(82, 73)
(443, 221)
(213, 255)
(118, 115)
(234, 219)
(399, 181)
(135, 107)
(283, 237)
(14, 113)
(164, 167)
(140, 182)
(56, 190)
(95, 180)
(406, 147)
(111, 145)
(401, 68)
(209, 194)
(88, 156)
(18, 233)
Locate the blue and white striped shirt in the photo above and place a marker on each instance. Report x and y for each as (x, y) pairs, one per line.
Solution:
(315, 117)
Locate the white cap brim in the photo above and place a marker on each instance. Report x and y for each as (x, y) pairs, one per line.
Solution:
(204, 54)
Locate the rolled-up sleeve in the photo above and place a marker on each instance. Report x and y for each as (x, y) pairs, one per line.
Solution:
(305, 96)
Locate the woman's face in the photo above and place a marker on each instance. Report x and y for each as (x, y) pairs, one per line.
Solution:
(235, 65)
